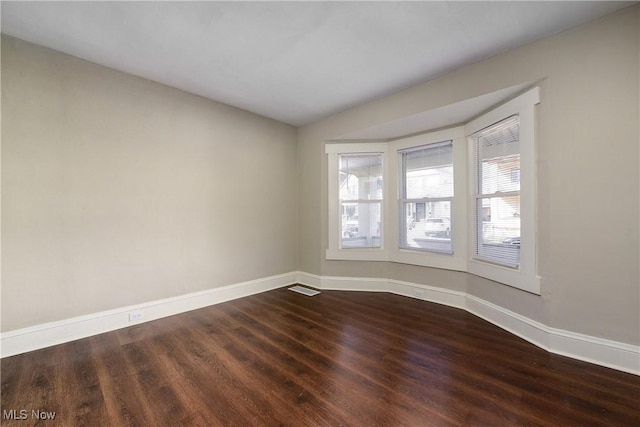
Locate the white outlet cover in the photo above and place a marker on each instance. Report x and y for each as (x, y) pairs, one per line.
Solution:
(135, 316)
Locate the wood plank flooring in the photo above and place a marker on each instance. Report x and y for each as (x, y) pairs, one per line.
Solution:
(336, 359)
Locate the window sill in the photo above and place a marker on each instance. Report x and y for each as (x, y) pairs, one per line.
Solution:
(421, 259)
(428, 259)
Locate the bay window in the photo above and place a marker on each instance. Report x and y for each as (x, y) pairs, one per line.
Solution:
(461, 198)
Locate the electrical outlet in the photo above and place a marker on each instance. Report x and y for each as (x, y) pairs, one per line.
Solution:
(135, 316)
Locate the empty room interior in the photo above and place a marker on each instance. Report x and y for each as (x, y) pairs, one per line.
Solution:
(320, 213)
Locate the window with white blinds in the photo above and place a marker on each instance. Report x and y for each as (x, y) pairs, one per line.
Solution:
(426, 197)
(496, 168)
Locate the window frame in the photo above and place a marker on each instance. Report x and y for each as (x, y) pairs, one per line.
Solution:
(403, 199)
(524, 276)
(359, 201)
(448, 261)
(334, 250)
(476, 169)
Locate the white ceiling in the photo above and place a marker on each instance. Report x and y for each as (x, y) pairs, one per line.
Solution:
(295, 62)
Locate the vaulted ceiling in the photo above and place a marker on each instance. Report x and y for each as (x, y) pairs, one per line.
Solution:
(295, 62)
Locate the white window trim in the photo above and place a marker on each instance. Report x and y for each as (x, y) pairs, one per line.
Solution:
(334, 251)
(525, 276)
(457, 260)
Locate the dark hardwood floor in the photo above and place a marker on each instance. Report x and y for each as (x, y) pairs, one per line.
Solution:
(335, 359)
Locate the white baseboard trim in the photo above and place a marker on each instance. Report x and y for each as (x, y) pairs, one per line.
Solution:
(53, 333)
(611, 354)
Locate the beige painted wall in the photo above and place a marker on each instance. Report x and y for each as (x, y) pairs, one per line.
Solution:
(588, 188)
(117, 190)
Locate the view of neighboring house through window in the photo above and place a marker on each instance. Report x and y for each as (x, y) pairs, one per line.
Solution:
(360, 190)
(497, 192)
(427, 197)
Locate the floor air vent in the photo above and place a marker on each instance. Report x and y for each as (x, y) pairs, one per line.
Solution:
(305, 291)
